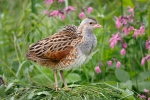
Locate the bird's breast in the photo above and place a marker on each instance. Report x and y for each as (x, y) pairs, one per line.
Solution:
(88, 44)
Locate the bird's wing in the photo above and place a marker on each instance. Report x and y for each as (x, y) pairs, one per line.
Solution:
(56, 46)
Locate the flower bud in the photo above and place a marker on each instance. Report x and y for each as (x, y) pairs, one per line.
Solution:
(118, 64)
(89, 10)
(123, 52)
(143, 61)
(124, 44)
(97, 69)
(82, 15)
(109, 63)
(146, 91)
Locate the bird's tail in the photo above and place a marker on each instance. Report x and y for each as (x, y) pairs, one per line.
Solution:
(30, 57)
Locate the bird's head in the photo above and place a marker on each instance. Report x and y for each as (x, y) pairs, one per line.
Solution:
(89, 24)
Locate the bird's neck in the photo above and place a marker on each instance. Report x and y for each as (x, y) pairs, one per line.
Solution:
(84, 30)
(89, 43)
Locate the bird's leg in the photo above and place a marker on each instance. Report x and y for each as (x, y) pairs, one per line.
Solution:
(56, 82)
(63, 78)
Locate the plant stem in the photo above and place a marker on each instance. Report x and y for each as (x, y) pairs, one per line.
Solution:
(33, 2)
(122, 7)
(66, 3)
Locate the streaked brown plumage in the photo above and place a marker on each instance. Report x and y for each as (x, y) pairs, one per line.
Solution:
(62, 50)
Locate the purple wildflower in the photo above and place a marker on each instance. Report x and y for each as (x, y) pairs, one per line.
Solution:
(61, 1)
(145, 59)
(89, 10)
(114, 39)
(97, 69)
(147, 44)
(55, 13)
(70, 8)
(82, 15)
(118, 64)
(131, 10)
(49, 1)
(109, 63)
(124, 44)
(123, 51)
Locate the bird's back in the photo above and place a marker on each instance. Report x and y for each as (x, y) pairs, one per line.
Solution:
(70, 47)
(58, 51)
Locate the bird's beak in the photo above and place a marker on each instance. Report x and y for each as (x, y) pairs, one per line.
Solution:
(98, 26)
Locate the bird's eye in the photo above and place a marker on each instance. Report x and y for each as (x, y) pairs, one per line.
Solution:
(91, 23)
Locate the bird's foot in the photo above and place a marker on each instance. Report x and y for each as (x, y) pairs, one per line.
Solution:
(57, 88)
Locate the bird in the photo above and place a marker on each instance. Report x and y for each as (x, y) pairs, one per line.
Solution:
(68, 48)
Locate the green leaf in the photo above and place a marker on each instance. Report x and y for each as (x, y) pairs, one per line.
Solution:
(128, 3)
(30, 96)
(2, 91)
(110, 77)
(127, 94)
(129, 84)
(10, 85)
(122, 75)
(143, 85)
(141, 77)
(42, 79)
(107, 17)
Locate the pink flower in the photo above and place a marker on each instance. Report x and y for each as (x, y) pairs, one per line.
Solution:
(114, 39)
(49, 1)
(146, 91)
(120, 21)
(131, 28)
(147, 44)
(97, 69)
(62, 16)
(89, 10)
(124, 44)
(123, 20)
(147, 57)
(149, 98)
(46, 12)
(109, 63)
(138, 95)
(70, 8)
(143, 61)
(82, 15)
(142, 30)
(118, 64)
(126, 30)
(55, 13)
(131, 10)
(123, 52)
(61, 1)
(143, 96)
(130, 18)
(139, 32)
(136, 33)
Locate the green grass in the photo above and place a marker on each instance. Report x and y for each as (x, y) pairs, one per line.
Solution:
(22, 23)
(94, 91)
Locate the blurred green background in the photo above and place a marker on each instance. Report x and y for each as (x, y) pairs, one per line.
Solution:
(22, 23)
